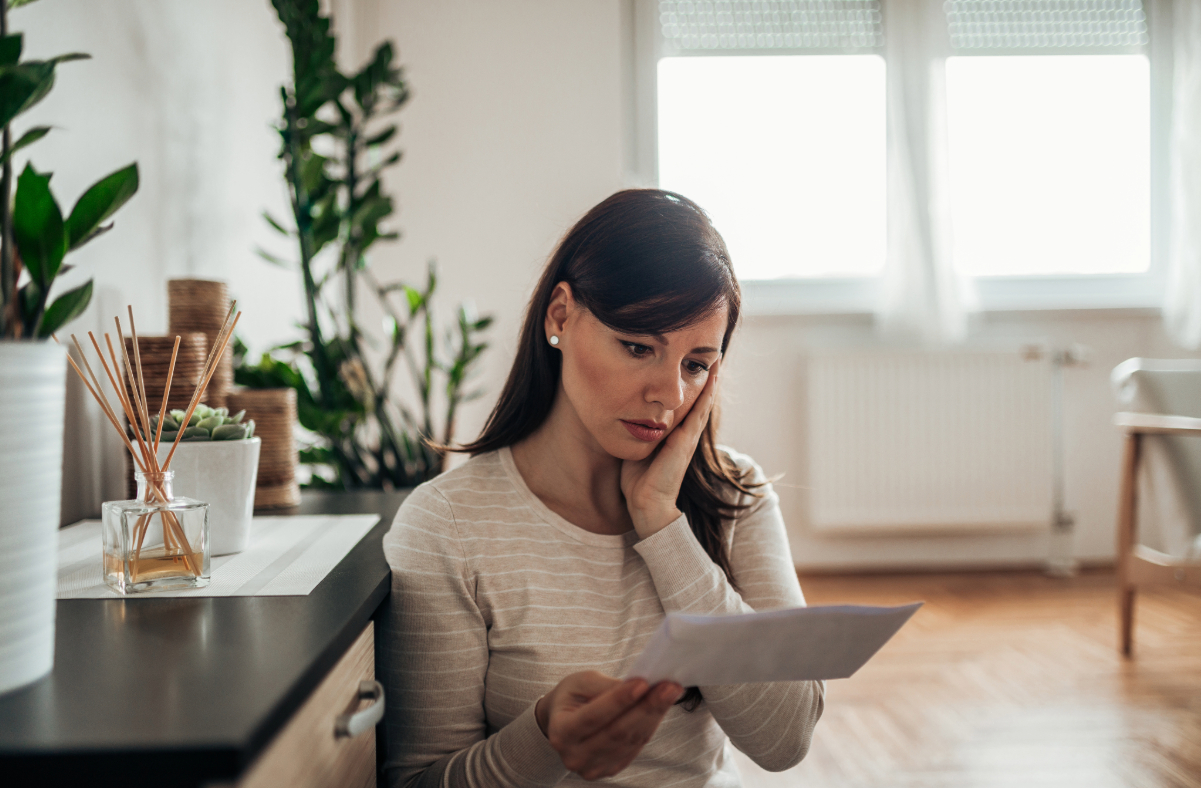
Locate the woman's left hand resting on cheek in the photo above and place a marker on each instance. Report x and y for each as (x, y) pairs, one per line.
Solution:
(651, 486)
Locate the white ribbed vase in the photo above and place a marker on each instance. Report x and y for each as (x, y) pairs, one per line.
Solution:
(33, 386)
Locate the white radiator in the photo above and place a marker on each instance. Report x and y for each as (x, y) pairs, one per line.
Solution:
(930, 441)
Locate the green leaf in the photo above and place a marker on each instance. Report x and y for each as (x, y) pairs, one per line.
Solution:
(381, 138)
(99, 231)
(23, 85)
(312, 171)
(65, 308)
(388, 162)
(414, 297)
(18, 3)
(10, 49)
(100, 202)
(282, 263)
(28, 138)
(271, 221)
(230, 432)
(54, 61)
(371, 210)
(316, 455)
(38, 227)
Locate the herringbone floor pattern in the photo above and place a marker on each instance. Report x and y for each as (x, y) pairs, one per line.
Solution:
(1010, 680)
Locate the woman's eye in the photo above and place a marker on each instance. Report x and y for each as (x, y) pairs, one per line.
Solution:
(637, 350)
(696, 367)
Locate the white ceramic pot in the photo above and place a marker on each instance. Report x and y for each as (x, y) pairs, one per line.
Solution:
(33, 389)
(223, 475)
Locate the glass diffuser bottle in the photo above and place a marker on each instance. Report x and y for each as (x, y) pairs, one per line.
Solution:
(157, 542)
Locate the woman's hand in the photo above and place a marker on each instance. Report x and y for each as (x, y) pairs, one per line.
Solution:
(598, 724)
(651, 486)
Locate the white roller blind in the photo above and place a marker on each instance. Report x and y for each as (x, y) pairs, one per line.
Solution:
(712, 26)
(1099, 26)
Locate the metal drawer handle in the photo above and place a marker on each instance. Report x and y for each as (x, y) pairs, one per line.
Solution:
(351, 723)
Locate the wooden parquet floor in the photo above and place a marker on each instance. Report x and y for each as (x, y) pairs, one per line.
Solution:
(1010, 680)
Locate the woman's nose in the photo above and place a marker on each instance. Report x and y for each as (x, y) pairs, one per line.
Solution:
(666, 387)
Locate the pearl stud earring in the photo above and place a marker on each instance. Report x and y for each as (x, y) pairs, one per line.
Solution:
(554, 340)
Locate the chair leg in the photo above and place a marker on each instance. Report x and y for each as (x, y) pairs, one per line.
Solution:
(1127, 514)
(1126, 606)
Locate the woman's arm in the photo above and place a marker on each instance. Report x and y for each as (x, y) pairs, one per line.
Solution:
(433, 660)
(772, 723)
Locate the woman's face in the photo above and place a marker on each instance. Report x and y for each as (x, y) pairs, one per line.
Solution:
(629, 391)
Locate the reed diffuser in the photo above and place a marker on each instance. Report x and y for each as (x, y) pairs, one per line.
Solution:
(156, 541)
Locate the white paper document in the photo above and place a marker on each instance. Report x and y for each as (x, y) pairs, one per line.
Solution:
(797, 644)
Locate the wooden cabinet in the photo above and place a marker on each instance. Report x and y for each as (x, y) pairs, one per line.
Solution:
(309, 752)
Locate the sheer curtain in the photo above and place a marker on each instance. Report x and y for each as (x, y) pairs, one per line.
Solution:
(1182, 299)
(923, 299)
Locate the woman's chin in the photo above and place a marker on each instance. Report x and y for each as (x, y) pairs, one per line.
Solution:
(630, 449)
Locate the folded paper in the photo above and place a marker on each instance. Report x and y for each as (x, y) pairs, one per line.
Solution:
(796, 644)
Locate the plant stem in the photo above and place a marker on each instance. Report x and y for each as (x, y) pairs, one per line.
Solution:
(350, 247)
(8, 285)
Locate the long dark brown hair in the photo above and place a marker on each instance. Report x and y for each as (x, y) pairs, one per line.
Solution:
(644, 261)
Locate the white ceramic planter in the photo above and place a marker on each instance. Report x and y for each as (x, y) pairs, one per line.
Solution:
(33, 386)
(223, 475)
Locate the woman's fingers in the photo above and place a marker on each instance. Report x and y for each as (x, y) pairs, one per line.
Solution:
(698, 417)
(683, 440)
(613, 748)
(639, 723)
(605, 706)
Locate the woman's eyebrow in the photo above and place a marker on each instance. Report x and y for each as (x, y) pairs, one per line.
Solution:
(662, 340)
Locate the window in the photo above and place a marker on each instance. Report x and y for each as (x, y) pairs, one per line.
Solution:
(1048, 110)
(791, 168)
(772, 115)
(1050, 164)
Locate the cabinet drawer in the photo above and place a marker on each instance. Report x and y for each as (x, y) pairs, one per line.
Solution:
(307, 753)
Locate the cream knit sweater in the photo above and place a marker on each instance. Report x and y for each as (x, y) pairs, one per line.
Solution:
(495, 598)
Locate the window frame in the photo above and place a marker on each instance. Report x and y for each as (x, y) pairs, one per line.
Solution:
(841, 295)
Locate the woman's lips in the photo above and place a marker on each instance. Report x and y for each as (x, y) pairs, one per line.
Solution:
(645, 430)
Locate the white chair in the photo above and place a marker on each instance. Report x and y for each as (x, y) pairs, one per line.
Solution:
(1159, 511)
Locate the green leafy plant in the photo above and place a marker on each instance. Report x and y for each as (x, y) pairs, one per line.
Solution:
(34, 235)
(335, 150)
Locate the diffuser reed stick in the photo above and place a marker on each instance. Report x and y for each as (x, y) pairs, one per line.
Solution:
(129, 387)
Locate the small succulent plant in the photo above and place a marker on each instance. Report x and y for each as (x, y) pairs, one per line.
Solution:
(206, 424)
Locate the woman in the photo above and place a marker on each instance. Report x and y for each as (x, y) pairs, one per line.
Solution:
(527, 581)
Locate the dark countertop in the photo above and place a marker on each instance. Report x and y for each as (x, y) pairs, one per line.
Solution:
(180, 692)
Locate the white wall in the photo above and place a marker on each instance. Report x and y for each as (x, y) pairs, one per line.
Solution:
(518, 124)
(188, 90)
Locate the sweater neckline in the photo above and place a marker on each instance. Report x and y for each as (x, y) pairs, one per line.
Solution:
(560, 524)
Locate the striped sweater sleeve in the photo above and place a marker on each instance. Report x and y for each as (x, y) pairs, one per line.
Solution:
(433, 664)
(772, 723)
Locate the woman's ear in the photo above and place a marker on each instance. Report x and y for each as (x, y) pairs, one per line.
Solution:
(562, 305)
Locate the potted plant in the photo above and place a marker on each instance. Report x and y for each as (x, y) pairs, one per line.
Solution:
(217, 462)
(35, 237)
(335, 148)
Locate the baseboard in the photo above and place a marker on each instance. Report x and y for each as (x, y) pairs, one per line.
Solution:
(1085, 565)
